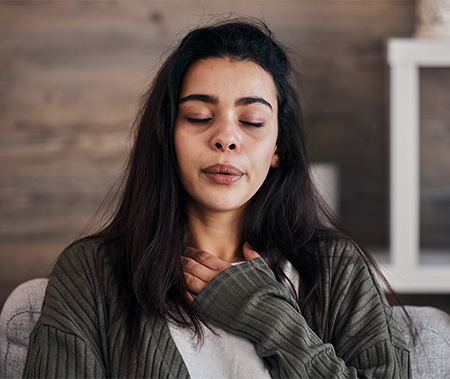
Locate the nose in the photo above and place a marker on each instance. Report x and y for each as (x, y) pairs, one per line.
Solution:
(226, 137)
(224, 147)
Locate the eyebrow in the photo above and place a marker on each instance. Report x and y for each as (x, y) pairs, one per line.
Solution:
(203, 98)
(253, 100)
(214, 100)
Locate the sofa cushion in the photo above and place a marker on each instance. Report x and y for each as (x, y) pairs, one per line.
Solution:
(428, 341)
(19, 315)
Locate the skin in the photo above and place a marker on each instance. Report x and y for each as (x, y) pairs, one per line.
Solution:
(200, 267)
(227, 117)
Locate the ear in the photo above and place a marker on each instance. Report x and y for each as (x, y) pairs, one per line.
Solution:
(275, 159)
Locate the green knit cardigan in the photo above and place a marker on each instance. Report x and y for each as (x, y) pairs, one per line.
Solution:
(359, 337)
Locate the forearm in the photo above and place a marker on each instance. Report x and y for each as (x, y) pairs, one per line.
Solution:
(247, 301)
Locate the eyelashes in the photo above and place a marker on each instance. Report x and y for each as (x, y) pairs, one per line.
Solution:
(254, 124)
(206, 120)
(198, 120)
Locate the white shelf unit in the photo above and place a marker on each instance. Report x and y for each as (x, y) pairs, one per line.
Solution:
(405, 271)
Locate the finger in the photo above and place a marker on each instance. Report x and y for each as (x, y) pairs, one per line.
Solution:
(249, 254)
(195, 285)
(207, 259)
(198, 270)
(191, 297)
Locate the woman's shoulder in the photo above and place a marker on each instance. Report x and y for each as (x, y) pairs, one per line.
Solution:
(342, 254)
(89, 250)
(338, 247)
(79, 277)
(87, 257)
(77, 289)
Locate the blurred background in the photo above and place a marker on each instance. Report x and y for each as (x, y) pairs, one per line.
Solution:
(72, 73)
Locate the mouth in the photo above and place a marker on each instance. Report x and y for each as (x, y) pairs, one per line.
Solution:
(223, 174)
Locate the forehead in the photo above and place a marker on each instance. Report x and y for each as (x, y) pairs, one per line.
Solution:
(224, 77)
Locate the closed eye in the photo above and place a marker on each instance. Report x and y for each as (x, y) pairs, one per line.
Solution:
(198, 120)
(254, 124)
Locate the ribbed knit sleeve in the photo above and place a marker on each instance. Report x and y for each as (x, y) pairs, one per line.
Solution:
(363, 341)
(66, 341)
(56, 354)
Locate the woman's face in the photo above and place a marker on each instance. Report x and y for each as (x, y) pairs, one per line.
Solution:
(226, 133)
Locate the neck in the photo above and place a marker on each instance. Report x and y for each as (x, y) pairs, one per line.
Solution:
(218, 233)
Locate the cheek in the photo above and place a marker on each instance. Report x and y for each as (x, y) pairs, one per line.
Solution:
(180, 151)
(188, 156)
(181, 141)
(262, 157)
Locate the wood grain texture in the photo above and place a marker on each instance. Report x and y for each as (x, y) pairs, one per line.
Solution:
(72, 73)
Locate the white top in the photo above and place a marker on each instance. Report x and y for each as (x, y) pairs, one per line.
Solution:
(223, 355)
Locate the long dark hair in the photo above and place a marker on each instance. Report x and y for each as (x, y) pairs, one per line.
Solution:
(286, 219)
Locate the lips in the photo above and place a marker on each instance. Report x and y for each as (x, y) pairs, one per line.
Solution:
(223, 174)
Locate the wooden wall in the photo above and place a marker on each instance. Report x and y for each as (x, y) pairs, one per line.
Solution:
(71, 74)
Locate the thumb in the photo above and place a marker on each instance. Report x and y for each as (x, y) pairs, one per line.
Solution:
(249, 254)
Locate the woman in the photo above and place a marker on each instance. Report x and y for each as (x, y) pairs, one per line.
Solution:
(218, 176)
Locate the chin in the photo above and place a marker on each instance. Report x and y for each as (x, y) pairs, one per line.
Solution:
(227, 207)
